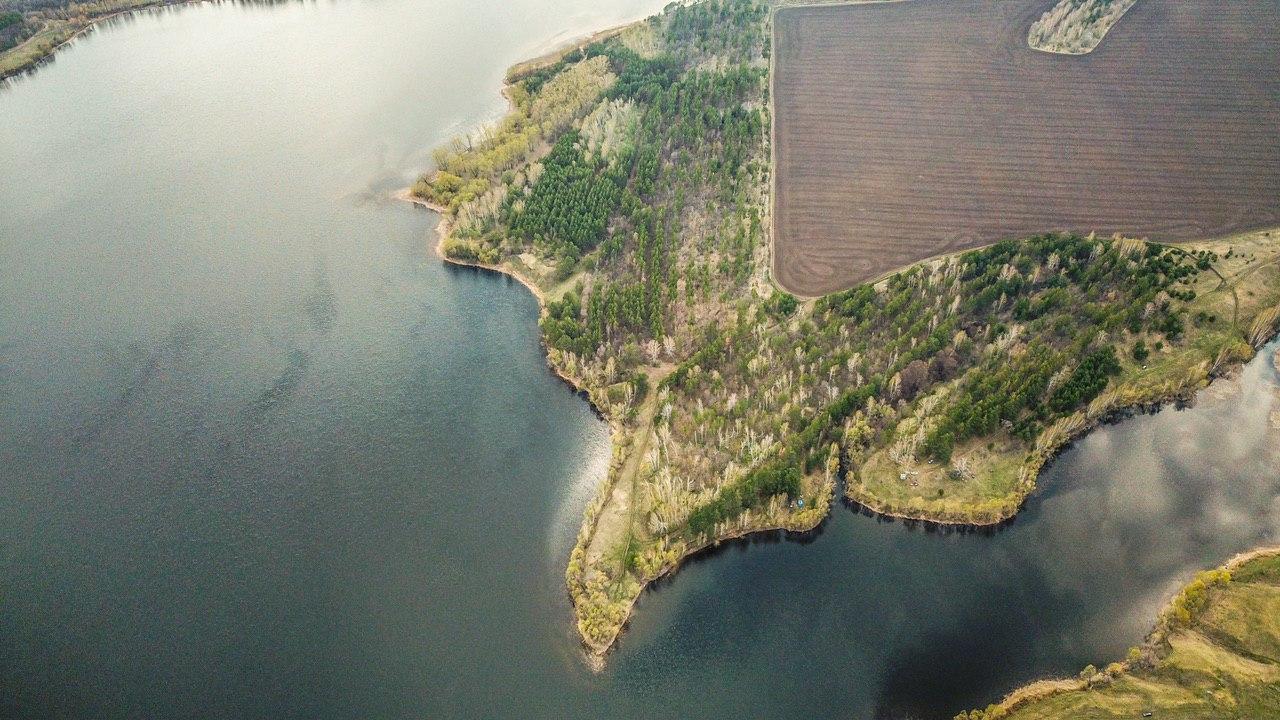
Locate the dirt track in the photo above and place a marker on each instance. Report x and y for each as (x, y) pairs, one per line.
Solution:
(909, 129)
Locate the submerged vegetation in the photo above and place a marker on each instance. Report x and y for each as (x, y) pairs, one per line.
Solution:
(1076, 27)
(1214, 652)
(631, 185)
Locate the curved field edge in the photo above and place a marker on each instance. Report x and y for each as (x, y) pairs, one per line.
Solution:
(1214, 652)
(735, 408)
(1076, 27)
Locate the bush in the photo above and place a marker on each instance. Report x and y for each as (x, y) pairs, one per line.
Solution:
(1140, 351)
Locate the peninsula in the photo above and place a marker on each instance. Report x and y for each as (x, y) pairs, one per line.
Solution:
(640, 186)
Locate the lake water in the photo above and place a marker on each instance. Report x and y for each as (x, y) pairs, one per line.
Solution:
(263, 455)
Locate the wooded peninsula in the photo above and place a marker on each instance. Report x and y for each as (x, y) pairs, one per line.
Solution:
(632, 186)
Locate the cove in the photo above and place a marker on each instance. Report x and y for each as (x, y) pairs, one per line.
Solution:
(265, 456)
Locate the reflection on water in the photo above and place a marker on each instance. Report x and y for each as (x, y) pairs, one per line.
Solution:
(263, 456)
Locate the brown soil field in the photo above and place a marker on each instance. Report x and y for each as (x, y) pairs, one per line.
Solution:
(907, 130)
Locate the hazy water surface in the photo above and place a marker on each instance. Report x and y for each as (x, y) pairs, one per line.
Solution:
(263, 455)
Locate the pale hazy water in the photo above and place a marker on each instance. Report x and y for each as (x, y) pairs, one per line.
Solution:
(262, 455)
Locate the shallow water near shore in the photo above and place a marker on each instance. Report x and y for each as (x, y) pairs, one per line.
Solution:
(263, 455)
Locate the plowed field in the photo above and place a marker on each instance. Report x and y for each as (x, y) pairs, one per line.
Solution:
(905, 130)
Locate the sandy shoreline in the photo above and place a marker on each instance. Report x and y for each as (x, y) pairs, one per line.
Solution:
(560, 49)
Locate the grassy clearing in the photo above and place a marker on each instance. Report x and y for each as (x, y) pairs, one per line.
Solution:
(1215, 653)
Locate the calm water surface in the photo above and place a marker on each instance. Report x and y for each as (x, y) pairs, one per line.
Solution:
(262, 455)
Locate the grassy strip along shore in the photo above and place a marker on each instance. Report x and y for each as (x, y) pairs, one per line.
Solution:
(1214, 653)
(630, 186)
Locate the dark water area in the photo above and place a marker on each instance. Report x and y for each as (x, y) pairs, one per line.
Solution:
(263, 455)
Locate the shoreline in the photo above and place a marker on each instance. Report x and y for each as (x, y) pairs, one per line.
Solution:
(1043, 689)
(1033, 469)
(597, 653)
(558, 50)
(1109, 415)
(34, 64)
(442, 232)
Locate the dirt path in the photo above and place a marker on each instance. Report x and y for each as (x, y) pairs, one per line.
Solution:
(617, 519)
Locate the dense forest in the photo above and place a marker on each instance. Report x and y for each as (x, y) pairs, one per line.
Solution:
(630, 183)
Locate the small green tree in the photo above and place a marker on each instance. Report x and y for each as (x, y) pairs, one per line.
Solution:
(1140, 351)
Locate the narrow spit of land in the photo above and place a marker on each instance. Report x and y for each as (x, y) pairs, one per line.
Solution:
(630, 187)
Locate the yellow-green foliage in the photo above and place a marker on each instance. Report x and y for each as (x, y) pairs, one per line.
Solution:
(1195, 596)
(469, 251)
(608, 129)
(570, 94)
(642, 38)
(467, 169)
(600, 612)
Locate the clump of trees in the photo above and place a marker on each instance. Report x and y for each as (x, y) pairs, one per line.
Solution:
(470, 167)
(1194, 598)
(1076, 26)
(569, 207)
